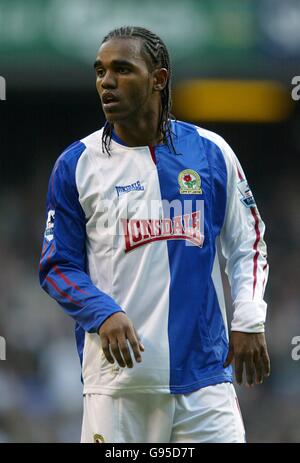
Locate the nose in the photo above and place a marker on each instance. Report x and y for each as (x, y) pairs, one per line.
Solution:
(108, 80)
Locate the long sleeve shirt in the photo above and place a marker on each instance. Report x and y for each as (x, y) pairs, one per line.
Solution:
(136, 232)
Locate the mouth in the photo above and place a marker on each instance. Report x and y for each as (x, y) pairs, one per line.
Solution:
(109, 101)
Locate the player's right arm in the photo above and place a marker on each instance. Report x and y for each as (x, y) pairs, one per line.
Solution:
(63, 270)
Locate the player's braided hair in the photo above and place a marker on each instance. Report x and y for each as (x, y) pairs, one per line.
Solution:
(156, 55)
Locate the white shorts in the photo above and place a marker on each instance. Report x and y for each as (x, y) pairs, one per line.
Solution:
(210, 414)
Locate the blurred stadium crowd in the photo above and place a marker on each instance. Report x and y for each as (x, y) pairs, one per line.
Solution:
(40, 389)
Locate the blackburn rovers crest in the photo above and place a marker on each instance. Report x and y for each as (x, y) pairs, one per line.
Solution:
(190, 182)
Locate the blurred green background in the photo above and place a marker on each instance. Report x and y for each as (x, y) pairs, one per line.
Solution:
(233, 64)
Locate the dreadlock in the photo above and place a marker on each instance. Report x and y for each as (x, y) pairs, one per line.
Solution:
(156, 55)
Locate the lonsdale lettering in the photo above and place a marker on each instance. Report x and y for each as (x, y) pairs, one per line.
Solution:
(138, 232)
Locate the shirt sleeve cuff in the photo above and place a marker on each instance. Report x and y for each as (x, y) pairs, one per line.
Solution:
(249, 316)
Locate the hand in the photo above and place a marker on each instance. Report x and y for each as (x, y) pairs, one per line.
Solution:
(251, 349)
(114, 333)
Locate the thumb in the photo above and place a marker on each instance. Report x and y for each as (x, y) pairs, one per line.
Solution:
(229, 357)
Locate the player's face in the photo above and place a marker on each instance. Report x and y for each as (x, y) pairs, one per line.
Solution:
(123, 80)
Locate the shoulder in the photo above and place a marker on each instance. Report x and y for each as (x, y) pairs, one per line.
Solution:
(70, 156)
(213, 138)
(182, 129)
(94, 140)
(186, 128)
(214, 145)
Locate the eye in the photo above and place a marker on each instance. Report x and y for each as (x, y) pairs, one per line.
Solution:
(100, 72)
(123, 70)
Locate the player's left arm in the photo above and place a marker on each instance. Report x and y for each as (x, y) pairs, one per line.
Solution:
(243, 245)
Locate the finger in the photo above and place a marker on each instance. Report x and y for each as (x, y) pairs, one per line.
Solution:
(249, 366)
(258, 369)
(135, 345)
(266, 362)
(116, 352)
(106, 351)
(142, 348)
(238, 366)
(229, 358)
(123, 347)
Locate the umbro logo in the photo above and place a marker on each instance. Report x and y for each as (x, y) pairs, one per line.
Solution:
(126, 188)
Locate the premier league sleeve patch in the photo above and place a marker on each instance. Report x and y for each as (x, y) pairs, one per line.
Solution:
(246, 194)
(50, 226)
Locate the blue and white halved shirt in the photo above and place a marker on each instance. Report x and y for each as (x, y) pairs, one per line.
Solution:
(102, 254)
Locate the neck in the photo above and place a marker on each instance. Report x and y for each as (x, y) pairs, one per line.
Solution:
(140, 132)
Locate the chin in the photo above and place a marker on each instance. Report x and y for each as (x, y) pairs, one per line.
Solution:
(110, 118)
(114, 117)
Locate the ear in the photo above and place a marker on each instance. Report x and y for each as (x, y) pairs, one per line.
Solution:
(160, 78)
